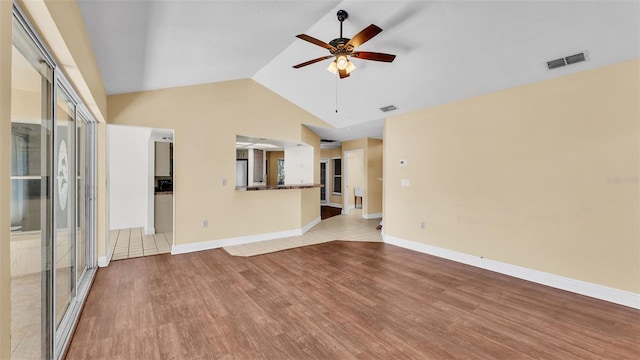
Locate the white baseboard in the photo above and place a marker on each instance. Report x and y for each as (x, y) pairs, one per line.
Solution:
(215, 244)
(149, 231)
(313, 223)
(601, 292)
(372, 216)
(104, 260)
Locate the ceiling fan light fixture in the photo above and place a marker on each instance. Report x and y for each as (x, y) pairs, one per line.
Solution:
(333, 68)
(350, 67)
(342, 62)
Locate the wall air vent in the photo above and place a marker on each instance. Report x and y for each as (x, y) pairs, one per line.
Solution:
(572, 59)
(388, 108)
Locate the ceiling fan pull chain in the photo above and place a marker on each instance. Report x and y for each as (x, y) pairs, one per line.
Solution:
(337, 93)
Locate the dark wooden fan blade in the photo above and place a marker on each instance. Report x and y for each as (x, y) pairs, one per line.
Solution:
(343, 73)
(312, 61)
(364, 36)
(375, 56)
(315, 41)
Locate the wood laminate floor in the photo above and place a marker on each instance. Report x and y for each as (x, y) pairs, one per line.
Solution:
(339, 300)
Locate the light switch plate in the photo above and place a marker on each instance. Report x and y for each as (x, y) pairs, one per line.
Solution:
(404, 182)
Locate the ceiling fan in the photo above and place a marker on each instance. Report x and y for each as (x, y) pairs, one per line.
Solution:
(343, 48)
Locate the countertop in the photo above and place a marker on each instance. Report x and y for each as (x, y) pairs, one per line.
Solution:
(278, 187)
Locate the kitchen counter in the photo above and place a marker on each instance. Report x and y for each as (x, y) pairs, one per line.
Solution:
(278, 187)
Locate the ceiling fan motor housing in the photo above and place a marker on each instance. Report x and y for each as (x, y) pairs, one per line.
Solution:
(339, 45)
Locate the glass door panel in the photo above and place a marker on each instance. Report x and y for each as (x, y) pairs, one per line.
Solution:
(31, 139)
(64, 205)
(82, 198)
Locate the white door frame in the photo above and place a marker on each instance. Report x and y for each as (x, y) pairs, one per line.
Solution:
(345, 179)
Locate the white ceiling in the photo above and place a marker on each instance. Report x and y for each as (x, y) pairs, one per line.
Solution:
(446, 50)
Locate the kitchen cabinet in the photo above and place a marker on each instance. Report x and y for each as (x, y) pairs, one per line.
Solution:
(163, 159)
(163, 213)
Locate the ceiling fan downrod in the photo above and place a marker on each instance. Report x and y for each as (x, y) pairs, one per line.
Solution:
(342, 16)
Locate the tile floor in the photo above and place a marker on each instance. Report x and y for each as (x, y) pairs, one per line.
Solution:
(351, 227)
(25, 317)
(132, 243)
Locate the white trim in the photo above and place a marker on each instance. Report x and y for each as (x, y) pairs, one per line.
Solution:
(350, 207)
(313, 223)
(372, 216)
(247, 239)
(105, 260)
(149, 231)
(335, 205)
(601, 292)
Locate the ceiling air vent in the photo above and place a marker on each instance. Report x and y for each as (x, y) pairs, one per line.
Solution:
(575, 58)
(388, 108)
(556, 63)
(327, 141)
(572, 59)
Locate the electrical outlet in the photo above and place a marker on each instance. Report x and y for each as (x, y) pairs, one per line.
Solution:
(205, 223)
(422, 225)
(224, 182)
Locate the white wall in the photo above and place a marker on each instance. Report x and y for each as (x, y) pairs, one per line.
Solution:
(128, 156)
(298, 165)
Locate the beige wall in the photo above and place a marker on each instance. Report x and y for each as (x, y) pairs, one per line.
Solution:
(310, 198)
(5, 182)
(543, 176)
(206, 119)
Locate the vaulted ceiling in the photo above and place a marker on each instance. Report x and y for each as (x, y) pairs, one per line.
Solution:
(446, 50)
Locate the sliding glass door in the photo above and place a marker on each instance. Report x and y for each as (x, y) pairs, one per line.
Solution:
(65, 205)
(31, 205)
(52, 238)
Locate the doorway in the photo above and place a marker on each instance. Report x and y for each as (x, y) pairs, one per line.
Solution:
(141, 183)
(353, 193)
